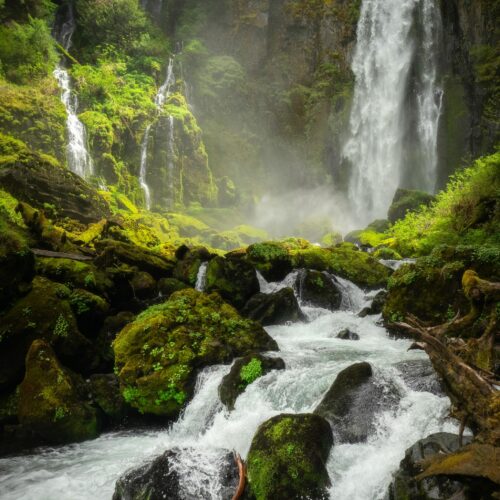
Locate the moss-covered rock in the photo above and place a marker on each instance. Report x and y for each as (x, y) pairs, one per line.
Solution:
(17, 263)
(189, 261)
(45, 313)
(356, 266)
(272, 259)
(51, 399)
(386, 253)
(37, 180)
(317, 289)
(159, 354)
(89, 310)
(113, 252)
(233, 278)
(167, 286)
(106, 395)
(406, 200)
(244, 372)
(274, 308)
(287, 458)
(144, 285)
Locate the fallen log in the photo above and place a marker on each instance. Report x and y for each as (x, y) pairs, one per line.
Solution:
(60, 255)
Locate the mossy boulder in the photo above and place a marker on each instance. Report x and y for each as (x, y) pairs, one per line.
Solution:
(113, 252)
(106, 395)
(75, 274)
(356, 266)
(405, 484)
(45, 313)
(36, 180)
(89, 310)
(245, 371)
(158, 355)
(233, 278)
(274, 308)
(52, 401)
(144, 285)
(317, 289)
(271, 259)
(376, 305)
(407, 200)
(287, 458)
(352, 402)
(17, 262)
(167, 286)
(188, 263)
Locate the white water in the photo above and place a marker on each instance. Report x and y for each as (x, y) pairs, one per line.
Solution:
(201, 278)
(79, 159)
(384, 57)
(313, 357)
(160, 99)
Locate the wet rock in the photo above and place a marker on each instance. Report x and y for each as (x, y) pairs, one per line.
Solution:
(189, 261)
(159, 354)
(160, 479)
(274, 308)
(405, 485)
(420, 376)
(346, 334)
(376, 306)
(105, 391)
(52, 401)
(243, 372)
(353, 401)
(45, 313)
(287, 458)
(90, 311)
(271, 259)
(233, 278)
(317, 289)
(37, 181)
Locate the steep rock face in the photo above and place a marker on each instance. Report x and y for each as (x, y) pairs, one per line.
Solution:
(469, 125)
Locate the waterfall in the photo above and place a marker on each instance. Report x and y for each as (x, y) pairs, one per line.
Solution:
(384, 61)
(161, 97)
(201, 278)
(79, 159)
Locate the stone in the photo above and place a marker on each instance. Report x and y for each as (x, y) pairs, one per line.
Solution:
(317, 289)
(346, 334)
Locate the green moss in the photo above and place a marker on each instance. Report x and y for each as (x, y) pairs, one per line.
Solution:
(158, 354)
(251, 371)
(61, 327)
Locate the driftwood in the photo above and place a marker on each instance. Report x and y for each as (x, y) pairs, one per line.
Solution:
(473, 389)
(242, 473)
(60, 255)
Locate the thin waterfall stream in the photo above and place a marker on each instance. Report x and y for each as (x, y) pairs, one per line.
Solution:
(79, 158)
(313, 356)
(383, 150)
(161, 97)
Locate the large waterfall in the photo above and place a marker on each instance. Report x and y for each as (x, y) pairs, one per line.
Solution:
(79, 159)
(160, 99)
(397, 103)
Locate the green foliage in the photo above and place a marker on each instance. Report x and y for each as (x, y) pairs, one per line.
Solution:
(251, 371)
(27, 51)
(61, 327)
(466, 212)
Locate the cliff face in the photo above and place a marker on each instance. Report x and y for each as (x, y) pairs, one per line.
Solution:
(470, 65)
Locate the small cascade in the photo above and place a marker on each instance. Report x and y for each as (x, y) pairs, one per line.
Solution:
(79, 159)
(395, 39)
(161, 97)
(201, 278)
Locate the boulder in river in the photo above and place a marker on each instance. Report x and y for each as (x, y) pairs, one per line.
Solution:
(274, 308)
(353, 401)
(52, 400)
(420, 376)
(346, 334)
(162, 479)
(287, 458)
(376, 306)
(243, 372)
(272, 259)
(317, 289)
(460, 486)
(159, 354)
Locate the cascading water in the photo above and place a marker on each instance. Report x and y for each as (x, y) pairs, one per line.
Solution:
(386, 53)
(79, 159)
(160, 99)
(201, 278)
(313, 356)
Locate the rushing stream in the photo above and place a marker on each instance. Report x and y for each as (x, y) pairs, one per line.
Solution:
(313, 357)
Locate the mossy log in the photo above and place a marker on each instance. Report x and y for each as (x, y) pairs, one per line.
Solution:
(465, 366)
